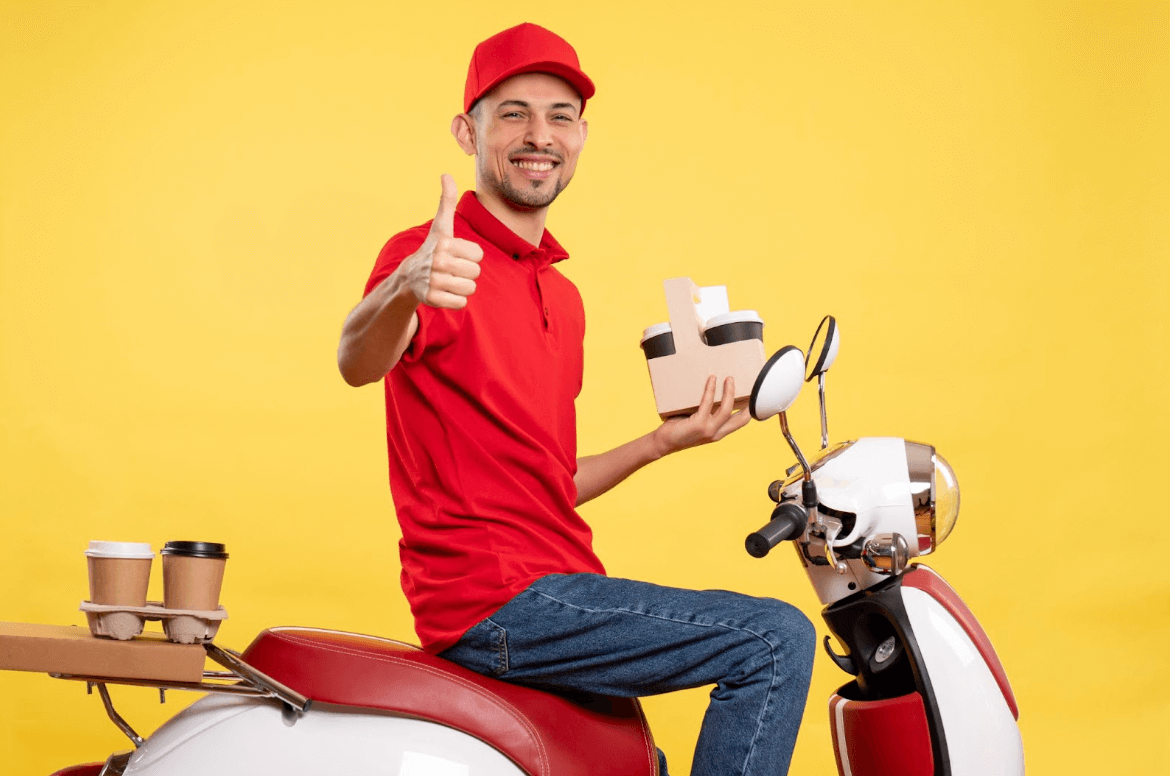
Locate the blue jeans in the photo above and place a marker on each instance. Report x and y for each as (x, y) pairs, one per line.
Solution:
(597, 634)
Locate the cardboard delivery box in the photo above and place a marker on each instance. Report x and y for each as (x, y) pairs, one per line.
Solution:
(65, 649)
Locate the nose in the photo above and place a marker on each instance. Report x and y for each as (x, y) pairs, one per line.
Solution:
(539, 133)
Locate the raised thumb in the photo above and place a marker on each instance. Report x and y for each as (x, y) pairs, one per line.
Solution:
(444, 222)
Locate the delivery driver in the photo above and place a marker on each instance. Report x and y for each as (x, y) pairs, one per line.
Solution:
(478, 338)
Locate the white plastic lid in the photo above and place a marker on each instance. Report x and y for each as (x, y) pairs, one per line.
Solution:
(735, 316)
(119, 550)
(655, 330)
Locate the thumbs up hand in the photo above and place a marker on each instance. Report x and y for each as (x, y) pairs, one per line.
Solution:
(442, 272)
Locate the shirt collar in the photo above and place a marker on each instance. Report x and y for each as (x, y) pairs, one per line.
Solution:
(480, 219)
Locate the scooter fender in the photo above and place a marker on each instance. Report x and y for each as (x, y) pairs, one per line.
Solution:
(238, 736)
(931, 697)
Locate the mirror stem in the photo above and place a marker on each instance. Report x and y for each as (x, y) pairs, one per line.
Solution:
(795, 449)
(824, 416)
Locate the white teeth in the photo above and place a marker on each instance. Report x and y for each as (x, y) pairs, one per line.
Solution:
(534, 166)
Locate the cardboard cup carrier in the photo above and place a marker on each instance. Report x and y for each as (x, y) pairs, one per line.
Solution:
(119, 574)
(193, 575)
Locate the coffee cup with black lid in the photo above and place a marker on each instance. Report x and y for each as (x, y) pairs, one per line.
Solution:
(734, 326)
(193, 575)
(658, 341)
(119, 572)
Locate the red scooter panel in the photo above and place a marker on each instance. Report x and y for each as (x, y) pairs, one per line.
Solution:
(881, 738)
(544, 734)
(90, 769)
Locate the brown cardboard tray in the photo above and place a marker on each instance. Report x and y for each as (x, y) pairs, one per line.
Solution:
(67, 649)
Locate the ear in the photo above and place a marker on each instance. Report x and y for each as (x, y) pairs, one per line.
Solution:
(463, 128)
(584, 130)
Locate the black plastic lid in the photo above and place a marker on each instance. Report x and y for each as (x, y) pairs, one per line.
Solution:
(195, 549)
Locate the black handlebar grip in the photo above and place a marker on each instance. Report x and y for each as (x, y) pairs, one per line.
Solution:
(788, 522)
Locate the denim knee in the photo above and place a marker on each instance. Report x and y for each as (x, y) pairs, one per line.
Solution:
(788, 627)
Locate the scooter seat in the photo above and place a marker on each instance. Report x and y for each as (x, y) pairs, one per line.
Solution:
(543, 733)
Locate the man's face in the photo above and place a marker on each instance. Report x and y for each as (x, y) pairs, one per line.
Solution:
(528, 136)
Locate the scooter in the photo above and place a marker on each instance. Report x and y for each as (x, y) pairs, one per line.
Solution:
(929, 697)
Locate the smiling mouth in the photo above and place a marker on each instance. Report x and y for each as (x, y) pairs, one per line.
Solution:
(534, 166)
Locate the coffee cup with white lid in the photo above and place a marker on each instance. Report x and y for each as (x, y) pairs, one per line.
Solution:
(119, 572)
(658, 341)
(734, 326)
(193, 575)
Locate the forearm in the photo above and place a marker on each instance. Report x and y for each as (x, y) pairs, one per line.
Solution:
(377, 332)
(598, 473)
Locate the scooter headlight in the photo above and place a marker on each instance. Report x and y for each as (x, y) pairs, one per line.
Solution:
(935, 492)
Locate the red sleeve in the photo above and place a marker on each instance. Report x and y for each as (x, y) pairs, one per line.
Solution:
(434, 325)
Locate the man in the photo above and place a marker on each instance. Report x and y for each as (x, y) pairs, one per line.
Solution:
(479, 340)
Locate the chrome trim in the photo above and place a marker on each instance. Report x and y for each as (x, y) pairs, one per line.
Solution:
(247, 681)
(233, 662)
(824, 416)
(238, 688)
(920, 463)
(122, 724)
(831, 531)
(886, 553)
(115, 764)
(807, 475)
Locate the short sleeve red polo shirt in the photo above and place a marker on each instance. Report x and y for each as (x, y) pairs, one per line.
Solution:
(481, 432)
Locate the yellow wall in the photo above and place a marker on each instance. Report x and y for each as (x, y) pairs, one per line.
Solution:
(192, 194)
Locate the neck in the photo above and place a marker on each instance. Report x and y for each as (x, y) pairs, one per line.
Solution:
(528, 224)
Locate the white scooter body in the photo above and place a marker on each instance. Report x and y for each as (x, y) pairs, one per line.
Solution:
(237, 735)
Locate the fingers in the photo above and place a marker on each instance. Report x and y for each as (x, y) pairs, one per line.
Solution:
(446, 299)
(455, 258)
(708, 399)
(727, 402)
(457, 247)
(444, 223)
(734, 423)
(453, 270)
(452, 284)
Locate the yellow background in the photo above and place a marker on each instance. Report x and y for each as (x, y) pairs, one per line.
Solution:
(192, 195)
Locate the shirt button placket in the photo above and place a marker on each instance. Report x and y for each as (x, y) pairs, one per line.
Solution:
(540, 292)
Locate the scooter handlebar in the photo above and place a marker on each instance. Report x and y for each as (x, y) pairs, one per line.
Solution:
(788, 522)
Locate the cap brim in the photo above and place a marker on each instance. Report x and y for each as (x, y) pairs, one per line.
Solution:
(575, 78)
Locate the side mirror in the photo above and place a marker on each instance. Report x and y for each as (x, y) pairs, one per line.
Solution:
(778, 383)
(822, 352)
(776, 389)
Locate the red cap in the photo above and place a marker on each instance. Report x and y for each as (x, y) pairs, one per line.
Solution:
(525, 48)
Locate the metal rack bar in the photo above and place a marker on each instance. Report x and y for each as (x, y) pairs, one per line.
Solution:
(122, 724)
(239, 679)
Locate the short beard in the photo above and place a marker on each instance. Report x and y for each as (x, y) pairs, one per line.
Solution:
(534, 198)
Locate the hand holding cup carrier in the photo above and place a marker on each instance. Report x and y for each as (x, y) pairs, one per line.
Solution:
(119, 575)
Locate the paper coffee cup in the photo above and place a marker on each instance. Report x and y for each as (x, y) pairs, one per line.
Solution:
(193, 575)
(734, 327)
(658, 341)
(119, 572)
